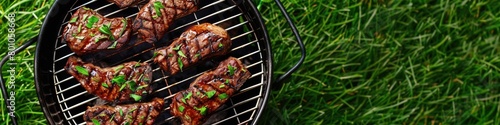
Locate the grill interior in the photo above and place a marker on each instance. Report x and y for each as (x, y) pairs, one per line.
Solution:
(72, 99)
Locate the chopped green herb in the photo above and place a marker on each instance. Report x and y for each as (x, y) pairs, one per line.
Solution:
(132, 85)
(96, 122)
(179, 61)
(155, 54)
(170, 55)
(197, 55)
(210, 93)
(73, 19)
(127, 123)
(222, 86)
(104, 85)
(183, 100)
(145, 79)
(106, 30)
(181, 108)
(92, 34)
(85, 8)
(80, 37)
(111, 119)
(119, 79)
(132, 110)
(79, 28)
(202, 110)
(121, 112)
(85, 16)
(136, 97)
(138, 64)
(140, 87)
(82, 70)
(102, 114)
(90, 22)
(181, 54)
(122, 87)
(118, 68)
(158, 5)
(231, 69)
(188, 95)
(98, 38)
(243, 70)
(177, 47)
(222, 96)
(198, 93)
(113, 45)
(220, 45)
(227, 81)
(124, 21)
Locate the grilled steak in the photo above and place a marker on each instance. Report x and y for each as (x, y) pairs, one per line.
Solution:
(209, 91)
(125, 3)
(155, 17)
(126, 82)
(130, 114)
(88, 32)
(197, 43)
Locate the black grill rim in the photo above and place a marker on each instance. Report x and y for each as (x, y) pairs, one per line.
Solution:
(43, 74)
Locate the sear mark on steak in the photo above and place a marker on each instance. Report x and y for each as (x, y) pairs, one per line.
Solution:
(209, 91)
(123, 83)
(89, 32)
(156, 16)
(197, 43)
(130, 114)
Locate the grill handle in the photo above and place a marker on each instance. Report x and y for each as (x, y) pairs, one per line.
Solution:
(2, 82)
(299, 41)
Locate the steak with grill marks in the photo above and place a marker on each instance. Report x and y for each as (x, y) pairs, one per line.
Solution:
(130, 114)
(155, 17)
(197, 43)
(89, 32)
(209, 91)
(123, 83)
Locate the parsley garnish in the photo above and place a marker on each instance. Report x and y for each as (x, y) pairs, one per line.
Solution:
(80, 28)
(104, 85)
(177, 47)
(121, 112)
(180, 63)
(181, 54)
(158, 5)
(96, 122)
(202, 110)
(197, 55)
(227, 81)
(73, 19)
(231, 69)
(92, 19)
(82, 70)
(136, 97)
(106, 30)
(188, 96)
(132, 85)
(211, 93)
(222, 96)
(118, 68)
(181, 108)
(222, 86)
(124, 21)
(119, 79)
(220, 45)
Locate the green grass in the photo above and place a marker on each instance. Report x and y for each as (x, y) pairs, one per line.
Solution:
(368, 62)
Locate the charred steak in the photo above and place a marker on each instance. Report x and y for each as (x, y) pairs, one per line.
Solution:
(155, 17)
(130, 114)
(209, 91)
(197, 43)
(89, 32)
(126, 82)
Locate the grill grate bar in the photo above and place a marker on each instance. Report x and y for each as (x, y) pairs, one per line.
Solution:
(102, 7)
(78, 7)
(64, 80)
(237, 25)
(229, 18)
(64, 57)
(77, 115)
(114, 12)
(71, 87)
(205, 17)
(243, 34)
(62, 46)
(79, 104)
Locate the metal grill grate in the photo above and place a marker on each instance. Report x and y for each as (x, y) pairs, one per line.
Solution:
(241, 108)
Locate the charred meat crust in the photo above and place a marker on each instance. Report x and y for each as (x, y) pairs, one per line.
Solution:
(155, 17)
(209, 91)
(197, 43)
(123, 83)
(132, 114)
(89, 32)
(125, 3)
